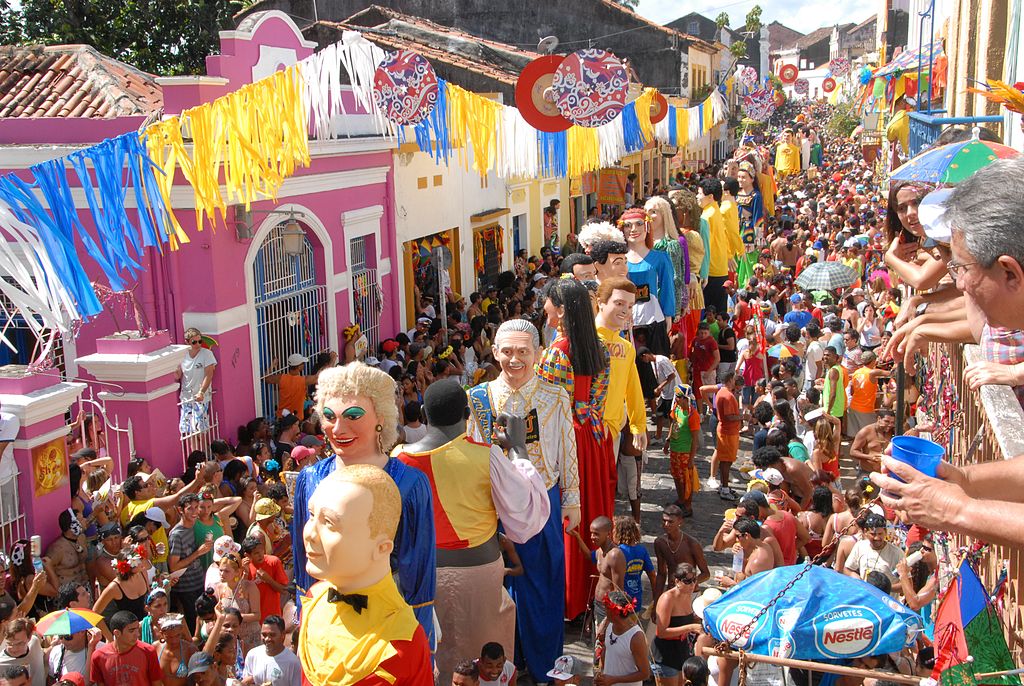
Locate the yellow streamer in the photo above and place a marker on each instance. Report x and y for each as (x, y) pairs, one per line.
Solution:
(682, 126)
(474, 118)
(165, 147)
(643, 113)
(709, 115)
(583, 150)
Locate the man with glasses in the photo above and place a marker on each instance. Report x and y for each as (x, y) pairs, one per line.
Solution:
(873, 553)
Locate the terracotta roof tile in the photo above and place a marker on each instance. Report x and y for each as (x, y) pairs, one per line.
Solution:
(72, 81)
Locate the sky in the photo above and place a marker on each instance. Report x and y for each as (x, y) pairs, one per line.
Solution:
(802, 15)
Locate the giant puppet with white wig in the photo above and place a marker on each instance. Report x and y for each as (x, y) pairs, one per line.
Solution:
(595, 232)
(356, 404)
(551, 449)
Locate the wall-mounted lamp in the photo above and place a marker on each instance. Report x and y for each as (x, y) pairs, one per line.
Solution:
(292, 236)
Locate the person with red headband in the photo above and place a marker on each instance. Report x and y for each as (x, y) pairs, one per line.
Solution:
(652, 273)
(621, 645)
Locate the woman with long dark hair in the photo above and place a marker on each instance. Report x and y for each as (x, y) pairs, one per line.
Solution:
(920, 262)
(578, 361)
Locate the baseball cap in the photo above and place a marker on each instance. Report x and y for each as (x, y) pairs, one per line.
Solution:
(302, 452)
(372, 361)
(796, 298)
(266, 508)
(757, 496)
(171, 619)
(286, 421)
(389, 346)
(816, 412)
(225, 545)
(772, 476)
(108, 530)
(295, 359)
(424, 320)
(566, 667)
(311, 441)
(155, 514)
(200, 662)
(74, 678)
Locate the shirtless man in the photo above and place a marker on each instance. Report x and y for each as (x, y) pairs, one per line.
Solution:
(871, 441)
(757, 555)
(675, 547)
(726, 536)
(174, 650)
(610, 561)
(797, 474)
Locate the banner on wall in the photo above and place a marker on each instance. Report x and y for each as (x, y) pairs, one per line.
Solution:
(611, 188)
(589, 183)
(49, 467)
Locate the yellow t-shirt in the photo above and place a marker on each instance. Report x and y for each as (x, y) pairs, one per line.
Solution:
(625, 395)
(787, 159)
(131, 510)
(718, 259)
(731, 215)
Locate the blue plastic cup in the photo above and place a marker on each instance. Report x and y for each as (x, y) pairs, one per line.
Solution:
(920, 453)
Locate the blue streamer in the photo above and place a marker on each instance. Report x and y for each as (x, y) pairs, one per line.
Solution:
(432, 135)
(631, 133)
(700, 118)
(673, 123)
(554, 151)
(58, 243)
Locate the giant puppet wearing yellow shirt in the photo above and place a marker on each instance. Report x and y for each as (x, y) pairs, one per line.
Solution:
(787, 155)
(356, 627)
(725, 244)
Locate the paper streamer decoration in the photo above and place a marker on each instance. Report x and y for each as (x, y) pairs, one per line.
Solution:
(828, 85)
(590, 87)
(535, 97)
(405, 87)
(801, 87)
(839, 67)
(788, 73)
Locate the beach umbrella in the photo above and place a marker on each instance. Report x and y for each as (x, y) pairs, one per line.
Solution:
(781, 351)
(826, 276)
(952, 163)
(823, 616)
(67, 622)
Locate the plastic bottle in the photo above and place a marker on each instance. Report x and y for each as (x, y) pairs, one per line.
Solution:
(37, 553)
(737, 559)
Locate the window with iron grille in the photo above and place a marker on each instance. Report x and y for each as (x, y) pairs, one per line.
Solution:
(25, 341)
(367, 297)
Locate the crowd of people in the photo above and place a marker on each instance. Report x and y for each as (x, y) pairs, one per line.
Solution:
(680, 326)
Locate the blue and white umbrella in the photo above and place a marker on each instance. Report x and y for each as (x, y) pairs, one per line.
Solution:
(826, 276)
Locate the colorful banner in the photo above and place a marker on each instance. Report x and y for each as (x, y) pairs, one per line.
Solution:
(611, 188)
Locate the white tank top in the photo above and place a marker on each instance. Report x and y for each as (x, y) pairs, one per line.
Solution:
(618, 658)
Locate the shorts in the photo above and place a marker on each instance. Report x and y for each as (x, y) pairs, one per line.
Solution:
(724, 368)
(855, 421)
(728, 447)
(629, 468)
(664, 408)
(684, 472)
(709, 377)
(747, 395)
(663, 671)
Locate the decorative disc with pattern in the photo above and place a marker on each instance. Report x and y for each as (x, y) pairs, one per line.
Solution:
(659, 108)
(840, 67)
(788, 73)
(590, 87)
(405, 87)
(828, 85)
(801, 87)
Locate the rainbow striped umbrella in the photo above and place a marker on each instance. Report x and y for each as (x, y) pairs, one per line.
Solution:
(67, 622)
(952, 163)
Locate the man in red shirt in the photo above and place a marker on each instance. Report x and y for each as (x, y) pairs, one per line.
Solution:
(704, 359)
(730, 420)
(268, 572)
(126, 661)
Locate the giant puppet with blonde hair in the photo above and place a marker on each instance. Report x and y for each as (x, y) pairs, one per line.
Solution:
(356, 627)
(666, 239)
(356, 404)
(652, 273)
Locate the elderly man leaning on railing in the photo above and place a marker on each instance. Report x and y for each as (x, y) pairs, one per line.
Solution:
(984, 501)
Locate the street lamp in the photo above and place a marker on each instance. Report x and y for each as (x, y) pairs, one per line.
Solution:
(293, 238)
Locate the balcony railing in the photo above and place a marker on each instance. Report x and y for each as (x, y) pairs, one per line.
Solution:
(988, 425)
(926, 127)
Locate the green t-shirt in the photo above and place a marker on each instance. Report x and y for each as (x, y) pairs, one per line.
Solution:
(798, 451)
(201, 530)
(681, 438)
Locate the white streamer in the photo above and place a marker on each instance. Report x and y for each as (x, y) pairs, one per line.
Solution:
(518, 154)
(612, 142)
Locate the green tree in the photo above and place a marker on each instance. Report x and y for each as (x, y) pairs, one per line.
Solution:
(738, 49)
(631, 4)
(844, 119)
(10, 24)
(158, 36)
(753, 20)
(722, 20)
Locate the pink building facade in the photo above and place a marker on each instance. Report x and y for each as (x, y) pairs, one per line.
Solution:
(243, 283)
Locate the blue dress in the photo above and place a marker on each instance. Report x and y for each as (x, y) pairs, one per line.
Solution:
(414, 556)
(653, 277)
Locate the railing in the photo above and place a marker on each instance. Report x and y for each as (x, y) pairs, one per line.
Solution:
(989, 426)
(926, 127)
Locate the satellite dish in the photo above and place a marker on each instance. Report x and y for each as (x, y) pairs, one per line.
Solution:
(547, 45)
(443, 255)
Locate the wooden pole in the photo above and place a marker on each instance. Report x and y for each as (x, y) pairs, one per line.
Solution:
(989, 675)
(815, 666)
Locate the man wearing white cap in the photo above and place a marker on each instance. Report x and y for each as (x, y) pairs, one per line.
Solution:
(568, 670)
(293, 384)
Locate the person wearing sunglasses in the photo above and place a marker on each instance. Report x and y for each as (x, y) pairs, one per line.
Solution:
(918, 582)
(196, 370)
(676, 623)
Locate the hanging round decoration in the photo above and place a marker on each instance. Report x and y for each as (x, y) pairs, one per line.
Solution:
(590, 87)
(659, 108)
(405, 87)
(747, 76)
(828, 85)
(535, 97)
(839, 67)
(801, 87)
(788, 73)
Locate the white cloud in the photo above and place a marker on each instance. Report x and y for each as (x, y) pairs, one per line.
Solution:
(803, 15)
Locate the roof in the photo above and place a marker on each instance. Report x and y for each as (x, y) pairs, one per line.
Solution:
(780, 36)
(818, 35)
(612, 4)
(72, 81)
(873, 19)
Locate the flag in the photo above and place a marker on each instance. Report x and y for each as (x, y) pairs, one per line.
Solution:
(967, 625)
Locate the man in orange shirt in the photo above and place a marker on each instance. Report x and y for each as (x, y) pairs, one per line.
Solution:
(730, 421)
(864, 394)
(293, 385)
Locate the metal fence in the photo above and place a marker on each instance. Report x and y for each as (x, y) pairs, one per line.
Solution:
(367, 305)
(988, 426)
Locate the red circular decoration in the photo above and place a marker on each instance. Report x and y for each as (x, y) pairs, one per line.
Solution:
(828, 85)
(788, 73)
(590, 87)
(405, 87)
(659, 108)
(540, 112)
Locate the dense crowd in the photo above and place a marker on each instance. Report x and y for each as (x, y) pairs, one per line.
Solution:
(685, 314)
